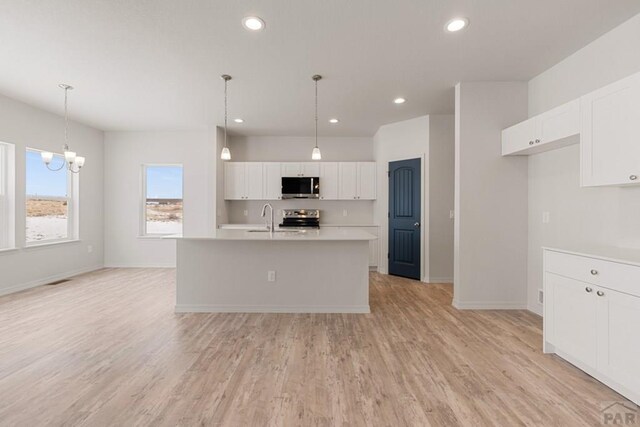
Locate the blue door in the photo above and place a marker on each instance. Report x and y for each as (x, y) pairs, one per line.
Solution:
(404, 218)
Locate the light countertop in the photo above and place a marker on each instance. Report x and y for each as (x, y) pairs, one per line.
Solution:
(326, 234)
(606, 253)
(252, 226)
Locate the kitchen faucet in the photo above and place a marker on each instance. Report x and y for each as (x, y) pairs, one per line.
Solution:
(264, 211)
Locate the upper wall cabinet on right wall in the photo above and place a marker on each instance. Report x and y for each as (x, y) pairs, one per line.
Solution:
(610, 134)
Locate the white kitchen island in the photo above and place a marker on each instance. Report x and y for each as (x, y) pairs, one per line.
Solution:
(316, 271)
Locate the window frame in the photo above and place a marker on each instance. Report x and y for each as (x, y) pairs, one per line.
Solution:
(7, 196)
(72, 199)
(143, 200)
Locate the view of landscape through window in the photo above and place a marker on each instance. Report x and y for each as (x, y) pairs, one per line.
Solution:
(163, 204)
(47, 199)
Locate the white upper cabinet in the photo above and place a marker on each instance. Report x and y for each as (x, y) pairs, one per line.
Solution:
(348, 188)
(366, 180)
(357, 181)
(272, 181)
(301, 169)
(610, 132)
(329, 181)
(243, 181)
(548, 131)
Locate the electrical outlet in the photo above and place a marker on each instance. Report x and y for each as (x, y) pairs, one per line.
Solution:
(344, 212)
(452, 214)
(246, 212)
(546, 217)
(540, 296)
(89, 249)
(271, 276)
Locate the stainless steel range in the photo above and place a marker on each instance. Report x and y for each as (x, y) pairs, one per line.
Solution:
(301, 218)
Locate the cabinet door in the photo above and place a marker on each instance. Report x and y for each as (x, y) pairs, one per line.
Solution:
(571, 309)
(329, 181)
(254, 181)
(519, 137)
(272, 181)
(234, 181)
(559, 123)
(367, 181)
(291, 170)
(610, 134)
(618, 338)
(310, 169)
(347, 180)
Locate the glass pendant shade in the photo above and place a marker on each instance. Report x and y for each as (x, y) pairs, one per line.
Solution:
(80, 161)
(225, 154)
(46, 157)
(316, 155)
(70, 156)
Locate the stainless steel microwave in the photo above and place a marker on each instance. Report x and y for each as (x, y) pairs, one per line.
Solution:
(301, 188)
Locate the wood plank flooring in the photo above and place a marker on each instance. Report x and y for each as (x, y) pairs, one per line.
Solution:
(107, 349)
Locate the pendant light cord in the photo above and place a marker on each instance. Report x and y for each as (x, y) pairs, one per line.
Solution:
(66, 120)
(225, 113)
(316, 116)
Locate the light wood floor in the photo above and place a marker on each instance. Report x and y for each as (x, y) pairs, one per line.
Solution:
(107, 349)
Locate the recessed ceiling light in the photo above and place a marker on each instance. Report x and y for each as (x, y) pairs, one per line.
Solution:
(238, 120)
(334, 121)
(253, 23)
(399, 101)
(456, 24)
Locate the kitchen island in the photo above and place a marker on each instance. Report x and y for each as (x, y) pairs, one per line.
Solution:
(284, 271)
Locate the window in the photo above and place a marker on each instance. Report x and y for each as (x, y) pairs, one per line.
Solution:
(7, 200)
(162, 205)
(50, 200)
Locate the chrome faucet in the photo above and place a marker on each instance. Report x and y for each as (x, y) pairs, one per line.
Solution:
(264, 211)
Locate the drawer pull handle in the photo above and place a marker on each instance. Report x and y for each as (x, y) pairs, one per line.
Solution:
(600, 293)
(594, 272)
(530, 142)
(633, 177)
(537, 141)
(588, 289)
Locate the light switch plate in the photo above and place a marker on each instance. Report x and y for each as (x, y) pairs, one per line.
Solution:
(246, 212)
(452, 214)
(546, 217)
(271, 276)
(344, 212)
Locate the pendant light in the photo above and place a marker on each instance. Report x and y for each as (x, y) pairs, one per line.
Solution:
(70, 157)
(315, 154)
(225, 154)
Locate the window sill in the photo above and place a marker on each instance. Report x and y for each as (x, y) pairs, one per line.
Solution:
(154, 237)
(47, 244)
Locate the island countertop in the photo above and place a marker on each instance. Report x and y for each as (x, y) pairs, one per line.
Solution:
(262, 234)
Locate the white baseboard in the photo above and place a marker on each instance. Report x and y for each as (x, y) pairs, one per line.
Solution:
(440, 280)
(489, 305)
(138, 265)
(48, 279)
(214, 308)
(535, 308)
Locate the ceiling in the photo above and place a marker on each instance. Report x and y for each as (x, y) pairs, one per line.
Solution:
(155, 64)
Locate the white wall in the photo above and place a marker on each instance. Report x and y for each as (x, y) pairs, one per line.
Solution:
(607, 215)
(404, 140)
(490, 245)
(125, 153)
(298, 149)
(441, 184)
(26, 126)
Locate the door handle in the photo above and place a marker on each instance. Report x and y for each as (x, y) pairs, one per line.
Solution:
(417, 224)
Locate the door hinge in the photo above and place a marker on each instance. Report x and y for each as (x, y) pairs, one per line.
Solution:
(388, 174)
(387, 255)
(388, 215)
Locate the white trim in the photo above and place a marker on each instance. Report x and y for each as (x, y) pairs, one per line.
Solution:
(536, 308)
(137, 265)
(440, 280)
(50, 242)
(489, 305)
(221, 308)
(48, 279)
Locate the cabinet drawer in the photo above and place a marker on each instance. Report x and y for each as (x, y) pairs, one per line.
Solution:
(620, 277)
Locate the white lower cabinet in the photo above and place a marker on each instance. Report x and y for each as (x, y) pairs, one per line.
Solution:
(592, 316)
